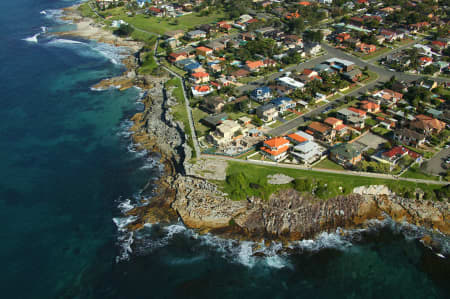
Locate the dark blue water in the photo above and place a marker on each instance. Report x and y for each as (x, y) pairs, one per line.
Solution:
(65, 168)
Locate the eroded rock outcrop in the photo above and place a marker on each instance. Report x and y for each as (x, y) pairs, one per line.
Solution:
(290, 215)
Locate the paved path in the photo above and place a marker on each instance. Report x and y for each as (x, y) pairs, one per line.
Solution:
(341, 172)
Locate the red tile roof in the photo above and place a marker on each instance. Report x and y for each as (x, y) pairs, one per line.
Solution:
(276, 142)
(200, 75)
(297, 138)
(359, 111)
(332, 121)
(319, 127)
(277, 152)
(204, 49)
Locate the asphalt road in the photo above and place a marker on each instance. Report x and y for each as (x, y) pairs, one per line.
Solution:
(434, 165)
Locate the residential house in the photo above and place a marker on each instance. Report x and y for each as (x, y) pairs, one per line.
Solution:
(204, 51)
(388, 97)
(283, 103)
(309, 75)
(337, 125)
(321, 131)
(342, 37)
(224, 133)
(290, 83)
(216, 46)
(267, 112)
(213, 121)
(312, 49)
(352, 116)
(353, 75)
(308, 152)
(194, 68)
(341, 65)
(201, 90)
(409, 137)
(213, 104)
(196, 34)
(261, 94)
(174, 57)
(157, 12)
(275, 149)
(370, 106)
(366, 48)
(176, 34)
(397, 153)
(254, 66)
(241, 73)
(427, 125)
(199, 78)
(299, 137)
(345, 154)
(438, 46)
(414, 28)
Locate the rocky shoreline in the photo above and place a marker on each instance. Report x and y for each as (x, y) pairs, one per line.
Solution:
(185, 190)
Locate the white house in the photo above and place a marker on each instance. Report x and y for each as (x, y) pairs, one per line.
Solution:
(291, 83)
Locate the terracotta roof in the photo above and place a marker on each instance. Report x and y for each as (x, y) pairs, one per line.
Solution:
(304, 3)
(319, 127)
(254, 64)
(400, 150)
(200, 75)
(201, 88)
(340, 127)
(204, 49)
(297, 138)
(359, 111)
(332, 121)
(277, 152)
(366, 105)
(426, 59)
(439, 43)
(276, 142)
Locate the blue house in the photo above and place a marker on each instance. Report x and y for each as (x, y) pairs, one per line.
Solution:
(283, 103)
(261, 94)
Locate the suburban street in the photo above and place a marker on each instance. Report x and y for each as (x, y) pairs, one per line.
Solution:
(383, 76)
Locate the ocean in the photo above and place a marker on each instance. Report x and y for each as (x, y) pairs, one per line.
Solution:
(68, 172)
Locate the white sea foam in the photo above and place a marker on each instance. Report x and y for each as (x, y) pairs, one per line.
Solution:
(125, 206)
(44, 29)
(122, 222)
(32, 39)
(43, 12)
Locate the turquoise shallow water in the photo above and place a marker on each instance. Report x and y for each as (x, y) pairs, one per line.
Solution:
(66, 167)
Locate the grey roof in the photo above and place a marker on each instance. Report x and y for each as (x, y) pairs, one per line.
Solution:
(346, 150)
(265, 107)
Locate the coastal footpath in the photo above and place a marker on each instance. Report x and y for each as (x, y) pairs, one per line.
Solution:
(192, 191)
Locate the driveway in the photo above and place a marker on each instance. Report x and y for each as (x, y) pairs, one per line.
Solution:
(434, 165)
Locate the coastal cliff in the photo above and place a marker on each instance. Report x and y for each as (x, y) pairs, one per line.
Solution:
(290, 215)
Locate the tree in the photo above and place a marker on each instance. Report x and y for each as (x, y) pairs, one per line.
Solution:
(124, 30)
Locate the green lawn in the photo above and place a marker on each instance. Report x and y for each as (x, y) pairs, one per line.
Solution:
(149, 64)
(275, 124)
(200, 129)
(86, 11)
(162, 25)
(414, 172)
(370, 122)
(375, 54)
(328, 164)
(371, 76)
(247, 179)
(380, 131)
